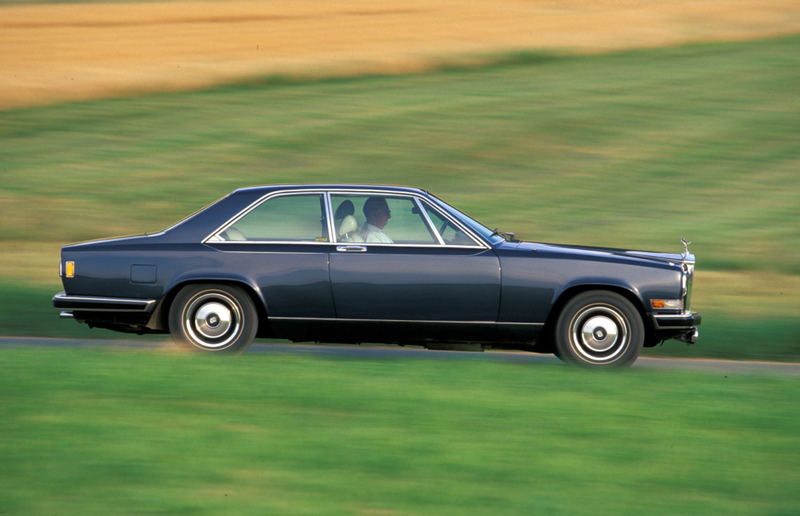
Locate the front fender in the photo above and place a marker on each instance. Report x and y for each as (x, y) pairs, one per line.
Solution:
(534, 283)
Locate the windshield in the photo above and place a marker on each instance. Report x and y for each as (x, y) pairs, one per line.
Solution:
(488, 234)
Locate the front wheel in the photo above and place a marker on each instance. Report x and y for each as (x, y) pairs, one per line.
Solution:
(599, 329)
(213, 318)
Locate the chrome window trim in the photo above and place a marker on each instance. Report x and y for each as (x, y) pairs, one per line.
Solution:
(328, 193)
(468, 232)
(383, 193)
(329, 215)
(446, 207)
(265, 242)
(421, 208)
(214, 236)
(296, 242)
(458, 224)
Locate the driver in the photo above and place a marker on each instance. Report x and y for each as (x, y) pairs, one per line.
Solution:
(376, 209)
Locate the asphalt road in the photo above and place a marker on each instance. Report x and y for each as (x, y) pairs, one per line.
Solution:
(390, 352)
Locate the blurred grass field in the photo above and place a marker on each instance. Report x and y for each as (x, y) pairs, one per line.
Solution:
(107, 432)
(634, 149)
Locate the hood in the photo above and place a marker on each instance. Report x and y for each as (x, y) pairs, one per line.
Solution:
(668, 258)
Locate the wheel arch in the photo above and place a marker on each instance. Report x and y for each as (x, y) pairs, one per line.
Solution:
(547, 338)
(160, 317)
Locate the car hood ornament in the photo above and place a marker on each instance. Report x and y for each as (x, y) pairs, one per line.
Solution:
(685, 247)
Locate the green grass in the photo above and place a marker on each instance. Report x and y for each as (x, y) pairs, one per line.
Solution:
(634, 149)
(104, 432)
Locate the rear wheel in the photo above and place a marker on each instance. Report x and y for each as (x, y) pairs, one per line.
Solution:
(219, 318)
(599, 329)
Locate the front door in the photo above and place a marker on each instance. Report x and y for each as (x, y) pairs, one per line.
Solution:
(396, 267)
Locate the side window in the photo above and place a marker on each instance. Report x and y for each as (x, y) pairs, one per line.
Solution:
(450, 233)
(293, 218)
(380, 220)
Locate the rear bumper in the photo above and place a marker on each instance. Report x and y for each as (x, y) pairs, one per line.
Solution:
(69, 303)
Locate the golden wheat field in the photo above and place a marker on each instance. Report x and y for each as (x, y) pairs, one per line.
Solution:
(71, 51)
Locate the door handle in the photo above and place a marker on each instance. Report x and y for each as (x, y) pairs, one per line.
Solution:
(351, 249)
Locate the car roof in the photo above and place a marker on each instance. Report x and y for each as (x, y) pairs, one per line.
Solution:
(198, 225)
(271, 188)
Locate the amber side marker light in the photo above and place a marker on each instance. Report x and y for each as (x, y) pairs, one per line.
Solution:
(70, 269)
(666, 303)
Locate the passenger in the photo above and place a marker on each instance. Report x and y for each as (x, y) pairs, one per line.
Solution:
(376, 209)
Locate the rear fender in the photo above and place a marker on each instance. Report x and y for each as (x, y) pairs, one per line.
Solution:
(160, 318)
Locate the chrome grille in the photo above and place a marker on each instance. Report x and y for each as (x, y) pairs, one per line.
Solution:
(688, 277)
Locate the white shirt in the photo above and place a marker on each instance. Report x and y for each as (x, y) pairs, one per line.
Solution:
(374, 234)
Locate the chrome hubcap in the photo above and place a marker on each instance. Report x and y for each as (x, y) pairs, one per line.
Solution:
(212, 320)
(599, 332)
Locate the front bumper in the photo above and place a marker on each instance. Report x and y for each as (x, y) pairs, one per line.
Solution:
(685, 320)
(682, 326)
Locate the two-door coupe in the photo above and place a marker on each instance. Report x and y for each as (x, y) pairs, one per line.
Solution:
(357, 264)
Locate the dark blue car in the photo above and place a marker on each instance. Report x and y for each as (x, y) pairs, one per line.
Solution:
(357, 264)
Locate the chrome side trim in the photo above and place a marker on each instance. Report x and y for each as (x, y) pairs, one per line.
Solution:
(102, 304)
(335, 319)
